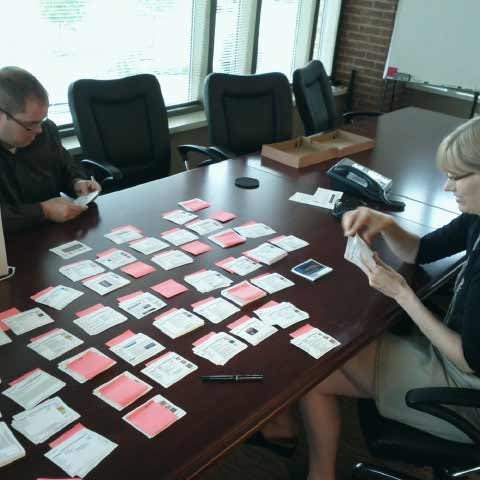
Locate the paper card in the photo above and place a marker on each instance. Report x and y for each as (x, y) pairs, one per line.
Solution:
(252, 330)
(204, 226)
(115, 258)
(140, 304)
(169, 288)
(194, 205)
(86, 365)
(81, 270)
(124, 234)
(89, 310)
(254, 230)
(28, 320)
(301, 331)
(169, 369)
(5, 314)
(57, 297)
(283, 314)
(215, 310)
(122, 391)
(219, 348)
(138, 269)
(203, 339)
(289, 243)
(97, 319)
(4, 339)
(327, 197)
(207, 280)
(70, 249)
(240, 266)
(272, 282)
(266, 253)
(172, 259)
(243, 293)
(54, 343)
(179, 217)
(120, 338)
(66, 435)
(11, 449)
(136, 349)
(227, 238)
(105, 283)
(359, 253)
(154, 416)
(223, 264)
(313, 341)
(178, 236)
(196, 247)
(177, 322)
(148, 245)
(223, 216)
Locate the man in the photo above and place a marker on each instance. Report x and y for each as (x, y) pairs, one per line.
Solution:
(34, 167)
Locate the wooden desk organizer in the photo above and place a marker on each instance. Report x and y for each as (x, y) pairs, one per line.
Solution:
(302, 152)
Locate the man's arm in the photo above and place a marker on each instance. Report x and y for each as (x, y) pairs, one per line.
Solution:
(16, 218)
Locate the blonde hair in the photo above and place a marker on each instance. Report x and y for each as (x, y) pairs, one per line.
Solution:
(459, 152)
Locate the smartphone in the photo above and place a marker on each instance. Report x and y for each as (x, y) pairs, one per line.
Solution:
(311, 269)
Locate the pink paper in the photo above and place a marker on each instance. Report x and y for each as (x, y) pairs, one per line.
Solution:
(23, 377)
(241, 320)
(38, 337)
(269, 304)
(127, 227)
(203, 339)
(107, 252)
(172, 230)
(120, 338)
(6, 314)
(261, 276)
(195, 205)
(170, 212)
(246, 292)
(151, 418)
(90, 364)
(196, 247)
(169, 288)
(89, 310)
(246, 224)
(201, 302)
(156, 359)
(39, 294)
(123, 390)
(229, 239)
(222, 263)
(172, 310)
(92, 278)
(129, 296)
(65, 436)
(277, 238)
(138, 269)
(223, 216)
(306, 328)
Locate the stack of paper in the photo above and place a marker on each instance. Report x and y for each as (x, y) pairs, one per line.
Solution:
(172, 259)
(86, 365)
(243, 293)
(82, 199)
(241, 265)
(4, 338)
(178, 236)
(227, 238)
(313, 341)
(140, 304)
(254, 230)
(223, 216)
(57, 297)
(169, 288)
(26, 321)
(148, 245)
(70, 249)
(283, 314)
(105, 283)
(194, 205)
(124, 234)
(115, 258)
(10, 448)
(45, 420)
(98, 318)
(79, 450)
(289, 243)
(215, 310)
(272, 282)
(154, 416)
(252, 330)
(138, 269)
(323, 198)
(134, 348)
(32, 388)
(80, 270)
(359, 253)
(179, 217)
(122, 391)
(169, 369)
(177, 322)
(266, 253)
(218, 348)
(204, 227)
(196, 247)
(207, 280)
(54, 343)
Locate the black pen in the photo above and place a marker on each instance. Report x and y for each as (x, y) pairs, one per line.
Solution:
(233, 378)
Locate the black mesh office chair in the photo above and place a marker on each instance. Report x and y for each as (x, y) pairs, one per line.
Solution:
(315, 102)
(244, 112)
(122, 125)
(391, 440)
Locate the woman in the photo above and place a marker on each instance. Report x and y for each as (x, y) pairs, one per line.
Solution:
(444, 353)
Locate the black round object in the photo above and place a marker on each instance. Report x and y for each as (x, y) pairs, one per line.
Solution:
(247, 182)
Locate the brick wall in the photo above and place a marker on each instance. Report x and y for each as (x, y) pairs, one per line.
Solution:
(362, 44)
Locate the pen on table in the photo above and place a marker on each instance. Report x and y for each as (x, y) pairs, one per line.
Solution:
(233, 378)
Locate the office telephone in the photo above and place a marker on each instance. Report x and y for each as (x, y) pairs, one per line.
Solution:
(351, 177)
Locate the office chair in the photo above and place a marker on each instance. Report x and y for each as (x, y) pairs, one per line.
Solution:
(122, 126)
(315, 102)
(244, 112)
(392, 440)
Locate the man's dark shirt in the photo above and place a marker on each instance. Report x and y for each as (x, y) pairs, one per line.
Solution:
(32, 175)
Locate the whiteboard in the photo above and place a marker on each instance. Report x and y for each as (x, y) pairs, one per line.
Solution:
(437, 42)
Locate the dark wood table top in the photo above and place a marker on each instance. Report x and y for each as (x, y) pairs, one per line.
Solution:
(219, 416)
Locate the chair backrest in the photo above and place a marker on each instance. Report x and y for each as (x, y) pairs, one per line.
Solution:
(314, 98)
(246, 111)
(123, 122)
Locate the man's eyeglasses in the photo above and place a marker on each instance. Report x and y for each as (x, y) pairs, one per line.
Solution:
(29, 127)
(456, 178)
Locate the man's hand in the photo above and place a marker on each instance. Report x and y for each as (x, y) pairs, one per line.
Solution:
(60, 210)
(366, 222)
(84, 187)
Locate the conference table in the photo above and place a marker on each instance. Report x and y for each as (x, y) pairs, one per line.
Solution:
(221, 415)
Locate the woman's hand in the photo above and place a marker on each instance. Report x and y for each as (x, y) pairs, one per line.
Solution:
(366, 222)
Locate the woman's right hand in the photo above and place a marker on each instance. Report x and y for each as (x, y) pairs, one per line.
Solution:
(366, 222)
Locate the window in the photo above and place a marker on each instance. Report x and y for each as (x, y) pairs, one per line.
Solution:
(63, 40)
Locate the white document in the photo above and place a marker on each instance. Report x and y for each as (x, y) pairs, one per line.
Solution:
(58, 297)
(178, 322)
(179, 236)
(219, 348)
(82, 199)
(81, 270)
(106, 283)
(207, 280)
(172, 259)
(10, 448)
(148, 245)
(4, 339)
(267, 253)
(33, 388)
(123, 235)
(81, 453)
(272, 282)
(204, 227)
(28, 320)
(46, 419)
(142, 305)
(242, 265)
(216, 310)
(169, 369)
(254, 230)
(55, 343)
(180, 217)
(359, 253)
(253, 330)
(315, 342)
(70, 249)
(283, 314)
(137, 348)
(322, 198)
(289, 243)
(100, 320)
(116, 258)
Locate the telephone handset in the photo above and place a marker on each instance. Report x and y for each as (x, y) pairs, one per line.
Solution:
(351, 177)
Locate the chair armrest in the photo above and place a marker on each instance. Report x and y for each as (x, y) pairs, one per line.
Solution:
(432, 400)
(215, 155)
(102, 171)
